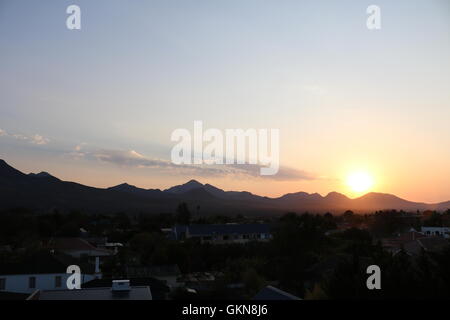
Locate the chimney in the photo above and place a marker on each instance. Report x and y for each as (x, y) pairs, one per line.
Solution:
(121, 286)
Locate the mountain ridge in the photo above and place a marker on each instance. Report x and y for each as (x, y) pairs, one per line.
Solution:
(45, 192)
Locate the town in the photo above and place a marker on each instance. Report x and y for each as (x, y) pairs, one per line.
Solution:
(182, 256)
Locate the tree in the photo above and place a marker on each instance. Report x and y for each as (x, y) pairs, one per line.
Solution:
(183, 214)
(317, 293)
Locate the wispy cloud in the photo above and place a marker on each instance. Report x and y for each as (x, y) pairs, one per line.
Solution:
(133, 159)
(38, 139)
(34, 139)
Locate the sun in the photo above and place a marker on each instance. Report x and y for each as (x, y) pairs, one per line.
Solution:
(360, 181)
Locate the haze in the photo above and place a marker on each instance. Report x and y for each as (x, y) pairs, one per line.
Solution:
(85, 105)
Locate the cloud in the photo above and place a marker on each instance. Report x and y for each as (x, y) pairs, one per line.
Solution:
(133, 159)
(38, 139)
(34, 139)
(283, 174)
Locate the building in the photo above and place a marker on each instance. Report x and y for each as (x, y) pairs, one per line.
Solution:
(271, 293)
(43, 271)
(436, 231)
(159, 289)
(119, 290)
(427, 244)
(78, 247)
(223, 233)
(413, 242)
(200, 281)
(396, 243)
(170, 274)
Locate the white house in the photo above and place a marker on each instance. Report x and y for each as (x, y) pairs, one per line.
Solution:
(436, 231)
(28, 283)
(42, 271)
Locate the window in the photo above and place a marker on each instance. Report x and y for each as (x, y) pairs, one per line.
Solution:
(2, 284)
(58, 282)
(32, 282)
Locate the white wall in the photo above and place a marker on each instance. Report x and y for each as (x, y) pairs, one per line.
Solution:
(19, 283)
(443, 231)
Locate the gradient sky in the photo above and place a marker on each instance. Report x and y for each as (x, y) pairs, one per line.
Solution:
(90, 105)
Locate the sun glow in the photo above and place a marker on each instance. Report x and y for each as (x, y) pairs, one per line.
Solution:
(360, 181)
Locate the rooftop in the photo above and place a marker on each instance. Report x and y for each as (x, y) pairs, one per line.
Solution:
(154, 271)
(211, 229)
(43, 263)
(272, 293)
(135, 293)
(75, 244)
(159, 290)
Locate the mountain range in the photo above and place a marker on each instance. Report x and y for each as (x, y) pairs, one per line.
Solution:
(44, 192)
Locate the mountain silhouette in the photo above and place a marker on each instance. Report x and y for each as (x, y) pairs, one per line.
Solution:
(188, 186)
(44, 192)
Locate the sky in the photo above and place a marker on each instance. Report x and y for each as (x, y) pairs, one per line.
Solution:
(98, 105)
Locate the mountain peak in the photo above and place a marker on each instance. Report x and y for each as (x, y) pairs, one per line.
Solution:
(193, 182)
(6, 171)
(335, 195)
(4, 164)
(38, 191)
(123, 186)
(188, 186)
(42, 174)
(378, 195)
(298, 195)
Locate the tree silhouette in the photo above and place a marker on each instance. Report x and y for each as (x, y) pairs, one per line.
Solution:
(183, 215)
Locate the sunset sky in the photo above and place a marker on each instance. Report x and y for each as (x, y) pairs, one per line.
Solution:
(93, 105)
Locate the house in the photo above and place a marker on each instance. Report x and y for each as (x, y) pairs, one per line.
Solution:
(170, 274)
(78, 247)
(436, 231)
(224, 233)
(119, 290)
(42, 270)
(201, 281)
(178, 232)
(112, 246)
(158, 288)
(413, 242)
(271, 293)
(394, 244)
(427, 244)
